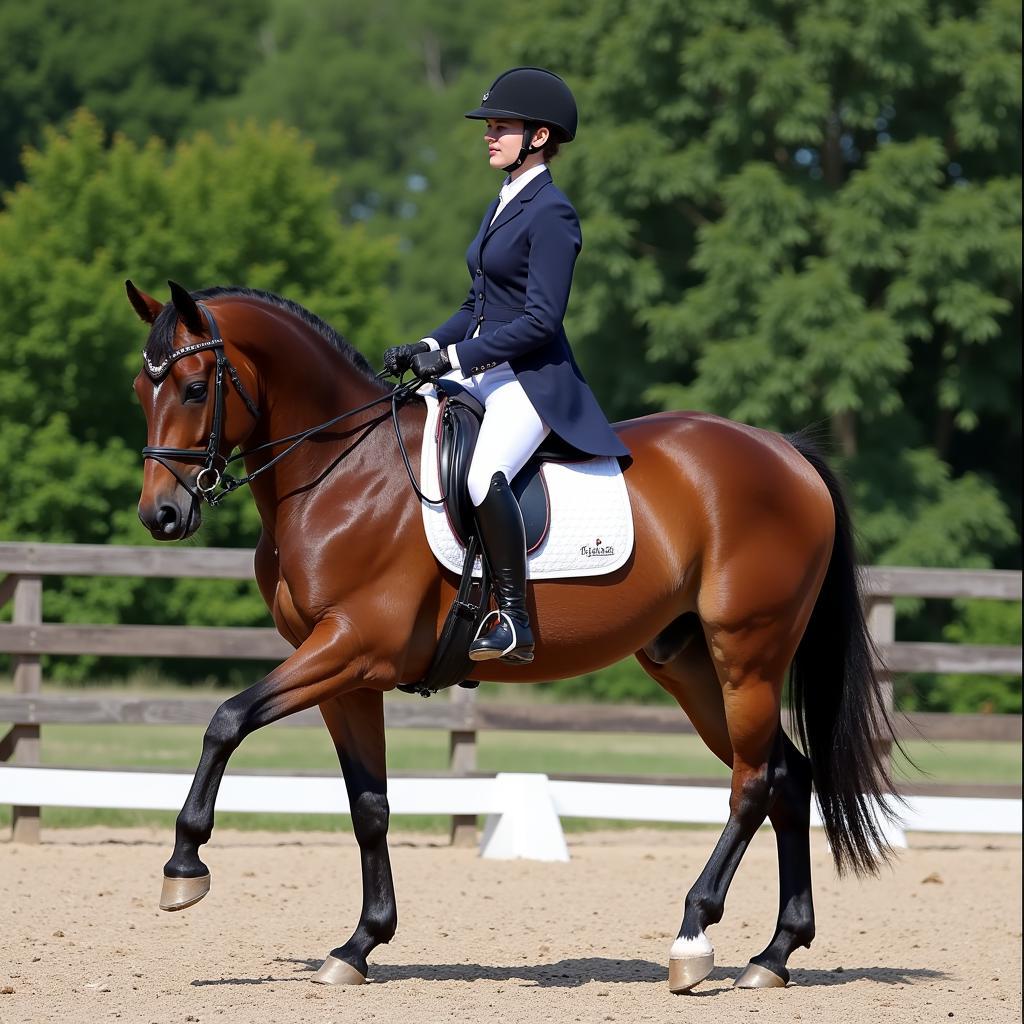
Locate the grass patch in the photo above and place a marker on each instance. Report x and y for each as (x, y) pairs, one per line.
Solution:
(966, 761)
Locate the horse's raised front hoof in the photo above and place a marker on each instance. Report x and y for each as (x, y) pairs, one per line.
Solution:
(756, 976)
(179, 893)
(336, 972)
(686, 971)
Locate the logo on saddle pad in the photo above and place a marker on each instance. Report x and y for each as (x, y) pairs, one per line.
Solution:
(597, 549)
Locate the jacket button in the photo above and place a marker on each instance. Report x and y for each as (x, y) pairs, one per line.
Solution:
(479, 272)
(480, 296)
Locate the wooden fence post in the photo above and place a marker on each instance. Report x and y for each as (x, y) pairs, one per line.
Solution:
(462, 761)
(28, 677)
(881, 621)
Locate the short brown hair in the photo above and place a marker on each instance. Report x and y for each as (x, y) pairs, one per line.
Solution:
(554, 143)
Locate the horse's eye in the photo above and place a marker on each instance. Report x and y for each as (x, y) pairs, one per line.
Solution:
(196, 391)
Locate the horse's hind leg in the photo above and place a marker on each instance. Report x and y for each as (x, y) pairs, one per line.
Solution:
(356, 724)
(686, 671)
(691, 677)
(749, 660)
(692, 955)
(790, 816)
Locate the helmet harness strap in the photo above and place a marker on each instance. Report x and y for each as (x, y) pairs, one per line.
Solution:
(528, 130)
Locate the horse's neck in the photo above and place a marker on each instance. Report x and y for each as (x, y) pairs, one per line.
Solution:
(304, 382)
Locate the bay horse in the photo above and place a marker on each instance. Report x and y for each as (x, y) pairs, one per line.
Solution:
(742, 572)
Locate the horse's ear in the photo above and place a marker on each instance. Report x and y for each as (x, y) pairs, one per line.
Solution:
(145, 305)
(188, 311)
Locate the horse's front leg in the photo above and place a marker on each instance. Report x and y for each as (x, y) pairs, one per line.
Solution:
(356, 724)
(324, 665)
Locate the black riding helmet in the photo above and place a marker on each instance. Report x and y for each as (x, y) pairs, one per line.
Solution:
(534, 96)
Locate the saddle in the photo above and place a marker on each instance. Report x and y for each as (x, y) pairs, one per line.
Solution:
(458, 428)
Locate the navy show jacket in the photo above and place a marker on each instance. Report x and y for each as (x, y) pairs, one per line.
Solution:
(520, 270)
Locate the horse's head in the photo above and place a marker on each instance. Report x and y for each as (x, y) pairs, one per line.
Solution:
(196, 410)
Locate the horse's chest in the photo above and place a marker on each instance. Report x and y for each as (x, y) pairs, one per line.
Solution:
(290, 622)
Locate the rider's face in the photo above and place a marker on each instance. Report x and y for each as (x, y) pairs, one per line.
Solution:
(504, 140)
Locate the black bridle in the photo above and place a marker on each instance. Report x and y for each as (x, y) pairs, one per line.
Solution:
(213, 482)
(213, 462)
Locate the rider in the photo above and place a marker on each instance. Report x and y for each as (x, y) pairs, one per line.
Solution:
(506, 345)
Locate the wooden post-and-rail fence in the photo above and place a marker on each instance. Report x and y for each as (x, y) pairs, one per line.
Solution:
(27, 637)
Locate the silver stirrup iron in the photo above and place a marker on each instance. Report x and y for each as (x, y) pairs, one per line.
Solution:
(511, 625)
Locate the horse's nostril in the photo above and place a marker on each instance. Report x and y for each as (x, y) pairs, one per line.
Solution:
(167, 518)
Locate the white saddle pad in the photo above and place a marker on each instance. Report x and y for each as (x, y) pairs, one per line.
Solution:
(591, 528)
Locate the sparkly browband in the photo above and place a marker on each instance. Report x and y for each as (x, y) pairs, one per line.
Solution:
(159, 371)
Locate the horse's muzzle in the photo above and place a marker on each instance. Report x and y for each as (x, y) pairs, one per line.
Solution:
(168, 519)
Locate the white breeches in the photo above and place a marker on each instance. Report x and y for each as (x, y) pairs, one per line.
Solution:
(511, 430)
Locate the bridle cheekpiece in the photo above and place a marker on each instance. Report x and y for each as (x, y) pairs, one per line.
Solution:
(211, 476)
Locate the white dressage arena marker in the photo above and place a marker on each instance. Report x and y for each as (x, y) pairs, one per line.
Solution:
(528, 826)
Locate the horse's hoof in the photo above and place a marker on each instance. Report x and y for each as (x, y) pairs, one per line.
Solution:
(337, 972)
(756, 976)
(686, 971)
(179, 893)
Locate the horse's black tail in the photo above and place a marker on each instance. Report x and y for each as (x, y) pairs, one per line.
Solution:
(837, 702)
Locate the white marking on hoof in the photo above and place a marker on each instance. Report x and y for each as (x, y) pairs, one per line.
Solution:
(699, 945)
(690, 961)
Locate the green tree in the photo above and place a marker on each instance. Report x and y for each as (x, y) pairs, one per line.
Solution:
(370, 85)
(143, 69)
(381, 91)
(457, 186)
(810, 215)
(255, 210)
(975, 622)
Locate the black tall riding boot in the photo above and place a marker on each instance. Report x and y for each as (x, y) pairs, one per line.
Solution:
(503, 538)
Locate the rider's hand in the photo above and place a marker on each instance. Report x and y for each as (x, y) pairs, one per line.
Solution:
(431, 365)
(398, 358)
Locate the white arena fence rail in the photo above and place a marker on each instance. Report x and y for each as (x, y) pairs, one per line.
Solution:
(523, 810)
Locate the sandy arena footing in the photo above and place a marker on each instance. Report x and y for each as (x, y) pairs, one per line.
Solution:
(937, 938)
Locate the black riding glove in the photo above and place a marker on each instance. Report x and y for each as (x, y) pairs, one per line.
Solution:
(398, 358)
(431, 365)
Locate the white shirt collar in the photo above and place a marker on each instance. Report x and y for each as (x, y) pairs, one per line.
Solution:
(513, 188)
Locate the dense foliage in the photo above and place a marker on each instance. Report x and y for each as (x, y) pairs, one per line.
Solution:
(146, 70)
(798, 215)
(254, 209)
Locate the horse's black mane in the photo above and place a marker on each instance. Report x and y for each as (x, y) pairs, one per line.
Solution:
(160, 343)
